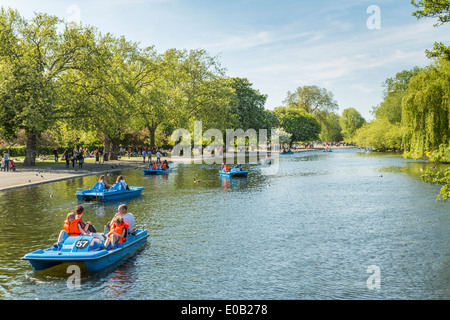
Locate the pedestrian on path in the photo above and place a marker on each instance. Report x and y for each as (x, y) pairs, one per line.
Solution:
(6, 157)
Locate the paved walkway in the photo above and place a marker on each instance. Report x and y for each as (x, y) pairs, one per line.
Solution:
(49, 172)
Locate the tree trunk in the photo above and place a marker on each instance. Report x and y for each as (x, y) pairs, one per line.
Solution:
(31, 150)
(107, 149)
(114, 149)
(152, 131)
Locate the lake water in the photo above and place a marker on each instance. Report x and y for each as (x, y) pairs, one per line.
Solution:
(316, 229)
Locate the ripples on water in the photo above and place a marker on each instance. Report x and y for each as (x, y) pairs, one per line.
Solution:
(308, 232)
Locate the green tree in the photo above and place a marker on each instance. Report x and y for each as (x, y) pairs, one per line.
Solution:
(315, 100)
(247, 109)
(299, 123)
(426, 111)
(350, 121)
(380, 135)
(205, 93)
(33, 56)
(393, 93)
(332, 130)
(439, 9)
(312, 99)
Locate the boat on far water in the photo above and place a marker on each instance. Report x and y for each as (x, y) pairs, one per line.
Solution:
(235, 172)
(116, 192)
(157, 171)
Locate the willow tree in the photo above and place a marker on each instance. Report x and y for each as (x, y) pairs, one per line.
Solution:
(426, 111)
(33, 57)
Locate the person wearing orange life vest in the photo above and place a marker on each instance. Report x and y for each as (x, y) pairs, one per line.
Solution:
(71, 227)
(88, 226)
(118, 232)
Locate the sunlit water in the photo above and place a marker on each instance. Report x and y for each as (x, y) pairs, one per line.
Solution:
(309, 231)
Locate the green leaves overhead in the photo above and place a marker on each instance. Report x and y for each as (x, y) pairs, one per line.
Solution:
(439, 9)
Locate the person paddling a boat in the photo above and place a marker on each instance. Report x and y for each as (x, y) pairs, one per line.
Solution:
(118, 232)
(122, 181)
(86, 226)
(71, 228)
(102, 180)
(122, 211)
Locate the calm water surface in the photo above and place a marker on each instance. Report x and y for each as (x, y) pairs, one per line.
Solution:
(310, 231)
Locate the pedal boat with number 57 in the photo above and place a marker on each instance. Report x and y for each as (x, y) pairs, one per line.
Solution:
(89, 250)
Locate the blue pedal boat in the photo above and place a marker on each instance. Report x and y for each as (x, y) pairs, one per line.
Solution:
(235, 172)
(98, 192)
(289, 152)
(156, 171)
(329, 150)
(86, 249)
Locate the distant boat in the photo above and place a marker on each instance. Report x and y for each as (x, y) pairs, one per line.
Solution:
(99, 193)
(329, 150)
(287, 152)
(156, 171)
(267, 161)
(235, 172)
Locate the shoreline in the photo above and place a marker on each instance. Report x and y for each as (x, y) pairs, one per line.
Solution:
(57, 171)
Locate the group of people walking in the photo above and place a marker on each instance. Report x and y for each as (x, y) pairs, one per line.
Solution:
(116, 231)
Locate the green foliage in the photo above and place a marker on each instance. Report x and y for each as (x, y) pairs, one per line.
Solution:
(380, 135)
(394, 91)
(350, 121)
(247, 109)
(312, 99)
(331, 128)
(320, 103)
(13, 151)
(33, 56)
(441, 155)
(439, 9)
(426, 110)
(435, 177)
(439, 50)
(299, 123)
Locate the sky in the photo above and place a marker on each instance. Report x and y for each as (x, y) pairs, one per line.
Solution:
(348, 47)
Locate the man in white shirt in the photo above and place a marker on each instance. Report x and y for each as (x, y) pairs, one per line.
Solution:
(158, 157)
(127, 217)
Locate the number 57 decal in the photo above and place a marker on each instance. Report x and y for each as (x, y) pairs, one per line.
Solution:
(81, 244)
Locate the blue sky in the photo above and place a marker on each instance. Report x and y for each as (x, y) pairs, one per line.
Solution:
(278, 45)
